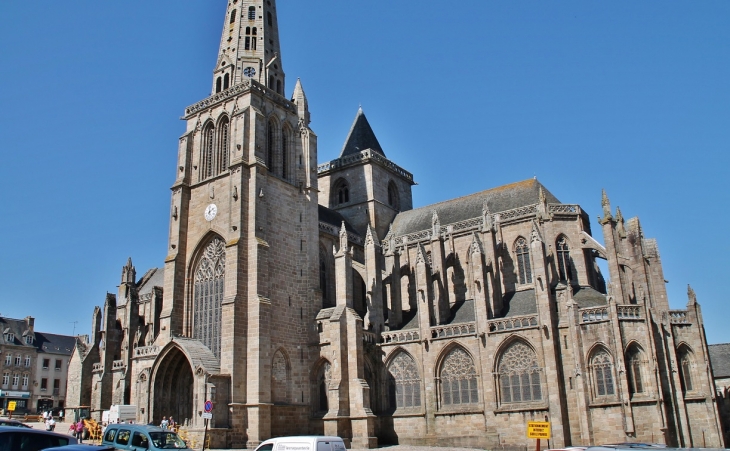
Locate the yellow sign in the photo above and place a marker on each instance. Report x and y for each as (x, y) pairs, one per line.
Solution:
(11, 406)
(538, 429)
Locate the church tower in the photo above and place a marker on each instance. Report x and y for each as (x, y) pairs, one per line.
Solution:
(241, 268)
(362, 184)
(249, 47)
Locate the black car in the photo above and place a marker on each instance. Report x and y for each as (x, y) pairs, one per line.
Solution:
(26, 439)
(13, 423)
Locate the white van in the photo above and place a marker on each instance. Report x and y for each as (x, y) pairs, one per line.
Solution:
(303, 443)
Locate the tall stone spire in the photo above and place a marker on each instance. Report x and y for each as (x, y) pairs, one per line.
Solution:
(249, 46)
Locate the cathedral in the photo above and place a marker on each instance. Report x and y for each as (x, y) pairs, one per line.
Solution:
(313, 298)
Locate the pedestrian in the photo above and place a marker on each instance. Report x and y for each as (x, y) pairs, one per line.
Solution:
(72, 428)
(173, 425)
(51, 423)
(164, 424)
(80, 431)
(45, 416)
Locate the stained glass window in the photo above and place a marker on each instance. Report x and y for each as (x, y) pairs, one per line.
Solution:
(603, 373)
(563, 258)
(208, 295)
(458, 379)
(404, 382)
(519, 374)
(522, 250)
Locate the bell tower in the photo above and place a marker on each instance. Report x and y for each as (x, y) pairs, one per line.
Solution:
(249, 46)
(242, 262)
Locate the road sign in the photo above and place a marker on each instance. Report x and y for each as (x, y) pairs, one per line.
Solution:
(538, 429)
(206, 415)
(208, 406)
(11, 406)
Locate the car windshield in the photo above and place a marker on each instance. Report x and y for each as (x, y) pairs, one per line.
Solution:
(166, 440)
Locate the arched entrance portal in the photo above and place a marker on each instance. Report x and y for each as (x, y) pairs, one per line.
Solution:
(173, 387)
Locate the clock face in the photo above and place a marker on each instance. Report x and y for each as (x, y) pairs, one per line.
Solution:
(249, 71)
(210, 212)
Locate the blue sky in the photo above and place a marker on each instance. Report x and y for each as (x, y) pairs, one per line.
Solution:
(632, 97)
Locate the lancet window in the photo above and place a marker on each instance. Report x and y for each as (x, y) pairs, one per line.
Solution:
(285, 143)
(404, 382)
(519, 374)
(458, 379)
(208, 295)
(251, 13)
(634, 364)
(393, 198)
(341, 193)
(685, 369)
(279, 378)
(214, 149)
(522, 251)
(563, 258)
(602, 369)
(249, 42)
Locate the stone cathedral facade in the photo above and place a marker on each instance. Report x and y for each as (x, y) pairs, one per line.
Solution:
(306, 298)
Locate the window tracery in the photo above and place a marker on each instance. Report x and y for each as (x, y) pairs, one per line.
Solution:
(685, 369)
(563, 258)
(208, 295)
(458, 379)
(522, 250)
(602, 368)
(519, 374)
(404, 382)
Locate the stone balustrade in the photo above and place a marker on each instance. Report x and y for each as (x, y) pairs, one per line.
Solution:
(146, 351)
(119, 364)
(509, 324)
(369, 338)
(679, 317)
(400, 336)
(593, 315)
(629, 312)
(98, 367)
(454, 330)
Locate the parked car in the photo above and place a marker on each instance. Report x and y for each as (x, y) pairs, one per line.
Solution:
(13, 423)
(82, 447)
(26, 439)
(138, 437)
(303, 443)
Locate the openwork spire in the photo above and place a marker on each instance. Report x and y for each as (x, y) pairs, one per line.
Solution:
(249, 48)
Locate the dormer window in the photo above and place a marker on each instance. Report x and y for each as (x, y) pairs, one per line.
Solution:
(28, 339)
(10, 337)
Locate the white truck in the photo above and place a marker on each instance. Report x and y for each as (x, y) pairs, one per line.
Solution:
(122, 413)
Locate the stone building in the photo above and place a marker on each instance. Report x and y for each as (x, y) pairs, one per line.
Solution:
(314, 299)
(34, 366)
(720, 360)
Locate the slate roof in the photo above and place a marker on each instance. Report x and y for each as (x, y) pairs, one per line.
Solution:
(199, 354)
(518, 303)
(410, 320)
(588, 297)
(498, 199)
(17, 327)
(334, 218)
(155, 277)
(55, 344)
(720, 359)
(361, 137)
(462, 312)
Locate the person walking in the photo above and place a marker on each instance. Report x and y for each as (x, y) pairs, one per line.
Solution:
(80, 431)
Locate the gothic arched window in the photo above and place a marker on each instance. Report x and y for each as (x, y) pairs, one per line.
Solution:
(341, 192)
(271, 135)
(270, 19)
(602, 369)
(208, 295)
(458, 379)
(251, 13)
(322, 384)
(222, 151)
(218, 84)
(250, 41)
(519, 374)
(634, 363)
(404, 383)
(233, 17)
(206, 152)
(522, 251)
(563, 258)
(226, 81)
(393, 198)
(279, 378)
(685, 368)
(285, 149)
